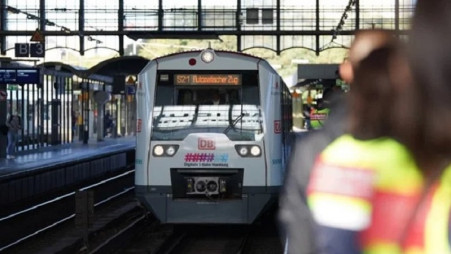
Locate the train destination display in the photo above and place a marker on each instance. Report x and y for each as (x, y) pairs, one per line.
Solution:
(207, 79)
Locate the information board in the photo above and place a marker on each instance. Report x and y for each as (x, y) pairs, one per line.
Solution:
(19, 76)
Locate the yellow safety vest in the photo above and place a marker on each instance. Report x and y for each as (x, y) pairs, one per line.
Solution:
(373, 187)
(318, 117)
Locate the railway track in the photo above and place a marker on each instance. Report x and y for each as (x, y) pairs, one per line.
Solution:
(24, 228)
(260, 238)
(209, 240)
(119, 225)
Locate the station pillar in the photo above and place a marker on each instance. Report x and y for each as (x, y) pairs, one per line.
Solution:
(3, 115)
(101, 97)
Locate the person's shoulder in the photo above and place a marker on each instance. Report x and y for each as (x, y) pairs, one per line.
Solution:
(446, 178)
(313, 141)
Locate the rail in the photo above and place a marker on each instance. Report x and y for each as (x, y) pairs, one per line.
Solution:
(58, 210)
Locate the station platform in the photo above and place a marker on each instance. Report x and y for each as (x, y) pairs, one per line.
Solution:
(34, 173)
(62, 154)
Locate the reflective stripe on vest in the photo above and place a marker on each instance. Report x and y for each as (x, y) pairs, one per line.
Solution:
(353, 181)
(437, 232)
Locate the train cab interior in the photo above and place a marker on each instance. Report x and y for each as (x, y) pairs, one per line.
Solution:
(208, 96)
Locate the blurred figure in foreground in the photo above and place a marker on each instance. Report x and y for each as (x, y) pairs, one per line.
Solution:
(295, 218)
(428, 126)
(358, 175)
(374, 195)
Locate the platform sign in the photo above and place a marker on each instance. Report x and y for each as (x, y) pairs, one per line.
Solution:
(27, 76)
(131, 89)
(12, 87)
(21, 49)
(130, 80)
(37, 36)
(37, 50)
(8, 76)
(19, 76)
(27, 50)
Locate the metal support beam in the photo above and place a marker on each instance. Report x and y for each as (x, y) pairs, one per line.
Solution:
(199, 15)
(81, 26)
(357, 14)
(156, 27)
(396, 15)
(3, 18)
(121, 18)
(317, 47)
(184, 33)
(278, 27)
(160, 15)
(43, 19)
(238, 25)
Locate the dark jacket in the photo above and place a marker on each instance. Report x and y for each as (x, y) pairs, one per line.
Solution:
(294, 216)
(14, 123)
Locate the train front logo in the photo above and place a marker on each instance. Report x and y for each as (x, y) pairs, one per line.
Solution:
(206, 144)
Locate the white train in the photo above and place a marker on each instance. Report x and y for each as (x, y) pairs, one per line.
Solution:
(213, 134)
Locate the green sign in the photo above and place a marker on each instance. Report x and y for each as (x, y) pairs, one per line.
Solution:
(12, 87)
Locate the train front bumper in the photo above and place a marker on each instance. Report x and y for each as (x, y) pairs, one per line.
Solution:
(245, 210)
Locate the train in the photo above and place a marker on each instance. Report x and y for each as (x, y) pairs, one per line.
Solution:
(213, 137)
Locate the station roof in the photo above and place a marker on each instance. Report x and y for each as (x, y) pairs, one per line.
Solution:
(75, 70)
(118, 66)
(124, 65)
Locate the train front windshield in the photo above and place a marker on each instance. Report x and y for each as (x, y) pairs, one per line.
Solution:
(222, 102)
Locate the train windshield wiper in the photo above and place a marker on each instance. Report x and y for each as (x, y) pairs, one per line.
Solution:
(234, 122)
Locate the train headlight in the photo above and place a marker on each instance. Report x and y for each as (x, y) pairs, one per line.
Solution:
(255, 151)
(165, 150)
(170, 151)
(248, 150)
(243, 151)
(158, 150)
(207, 56)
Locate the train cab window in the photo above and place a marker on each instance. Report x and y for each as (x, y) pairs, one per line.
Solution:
(183, 106)
(250, 95)
(164, 95)
(233, 97)
(211, 97)
(185, 97)
(208, 97)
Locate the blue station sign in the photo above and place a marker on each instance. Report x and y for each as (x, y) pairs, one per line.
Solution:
(19, 76)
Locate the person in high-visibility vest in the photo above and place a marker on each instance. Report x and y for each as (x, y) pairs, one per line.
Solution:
(297, 225)
(318, 117)
(345, 176)
(368, 192)
(320, 113)
(429, 122)
(366, 204)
